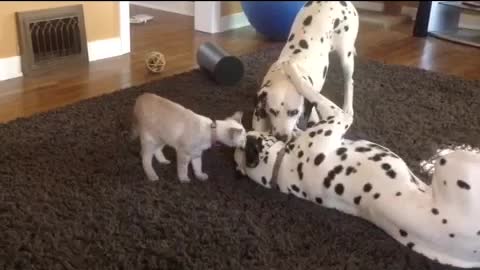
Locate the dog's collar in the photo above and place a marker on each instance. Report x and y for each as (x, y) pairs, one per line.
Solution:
(276, 167)
(213, 127)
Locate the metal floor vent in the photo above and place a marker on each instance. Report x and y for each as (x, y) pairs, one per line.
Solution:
(52, 38)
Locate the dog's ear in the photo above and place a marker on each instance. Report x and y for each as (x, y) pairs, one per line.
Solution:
(237, 116)
(252, 151)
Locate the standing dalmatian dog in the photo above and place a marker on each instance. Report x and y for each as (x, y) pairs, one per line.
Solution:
(320, 27)
(369, 181)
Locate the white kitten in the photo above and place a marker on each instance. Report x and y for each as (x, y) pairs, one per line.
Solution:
(159, 122)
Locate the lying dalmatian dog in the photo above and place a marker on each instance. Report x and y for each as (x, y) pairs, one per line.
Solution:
(369, 181)
(319, 28)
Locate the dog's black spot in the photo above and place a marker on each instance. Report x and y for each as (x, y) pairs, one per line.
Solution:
(304, 194)
(345, 28)
(345, 18)
(300, 154)
(310, 79)
(295, 188)
(444, 221)
(410, 245)
(343, 12)
(337, 32)
(331, 121)
(264, 180)
(346, 126)
(303, 44)
(357, 200)
(291, 37)
(398, 194)
(312, 134)
(403, 233)
(386, 166)
(330, 117)
(341, 151)
(299, 170)
(309, 3)
(310, 124)
(378, 157)
(350, 170)
(367, 187)
(273, 112)
(435, 211)
(328, 133)
(297, 51)
(319, 159)
(319, 200)
(265, 159)
(376, 196)
(343, 157)
(307, 21)
(462, 184)
(392, 174)
(310, 144)
(339, 189)
(452, 235)
(338, 169)
(324, 72)
(362, 149)
(343, 3)
(349, 53)
(292, 47)
(443, 161)
(308, 159)
(321, 40)
(336, 23)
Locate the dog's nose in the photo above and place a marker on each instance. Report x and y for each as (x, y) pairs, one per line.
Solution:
(282, 138)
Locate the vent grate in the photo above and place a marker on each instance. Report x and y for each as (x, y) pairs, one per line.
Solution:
(52, 38)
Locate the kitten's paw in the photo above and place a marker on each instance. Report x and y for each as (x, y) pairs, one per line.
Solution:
(184, 179)
(166, 161)
(202, 177)
(153, 178)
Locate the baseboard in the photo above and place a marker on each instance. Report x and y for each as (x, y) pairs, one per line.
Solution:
(180, 7)
(233, 21)
(369, 5)
(10, 67)
(105, 48)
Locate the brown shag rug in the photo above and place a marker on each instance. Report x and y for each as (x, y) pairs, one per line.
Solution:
(73, 194)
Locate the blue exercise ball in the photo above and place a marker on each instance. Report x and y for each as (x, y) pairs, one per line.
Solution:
(273, 19)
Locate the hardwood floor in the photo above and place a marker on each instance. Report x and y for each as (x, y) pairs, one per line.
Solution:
(173, 35)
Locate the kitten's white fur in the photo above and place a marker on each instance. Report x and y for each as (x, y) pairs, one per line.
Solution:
(159, 122)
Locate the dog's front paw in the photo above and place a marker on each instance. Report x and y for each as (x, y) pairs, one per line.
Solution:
(202, 176)
(184, 179)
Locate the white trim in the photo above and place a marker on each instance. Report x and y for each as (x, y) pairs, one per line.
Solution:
(104, 48)
(180, 7)
(369, 5)
(10, 67)
(124, 11)
(207, 16)
(233, 21)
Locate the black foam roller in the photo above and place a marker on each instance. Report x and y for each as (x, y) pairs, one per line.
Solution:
(220, 65)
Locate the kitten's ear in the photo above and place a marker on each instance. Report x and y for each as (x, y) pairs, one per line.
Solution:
(235, 133)
(237, 116)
